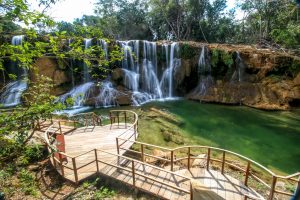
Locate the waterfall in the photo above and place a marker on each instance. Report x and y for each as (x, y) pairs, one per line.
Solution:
(71, 65)
(78, 94)
(143, 79)
(240, 68)
(150, 83)
(204, 73)
(12, 92)
(174, 62)
(86, 74)
(131, 80)
(107, 95)
(104, 47)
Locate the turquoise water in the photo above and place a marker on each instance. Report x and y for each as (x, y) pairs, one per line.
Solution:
(270, 138)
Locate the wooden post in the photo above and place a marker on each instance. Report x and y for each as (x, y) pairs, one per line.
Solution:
(247, 174)
(96, 159)
(54, 161)
(61, 165)
(93, 117)
(223, 162)
(208, 159)
(125, 119)
(75, 170)
(111, 122)
(272, 188)
(189, 158)
(191, 190)
(118, 149)
(142, 152)
(172, 160)
(86, 120)
(133, 173)
(118, 117)
(298, 185)
(59, 126)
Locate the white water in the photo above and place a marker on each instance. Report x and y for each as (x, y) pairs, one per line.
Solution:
(78, 94)
(86, 74)
(204, 73)
(107, 95)
(174, 62)
(144, 82)
(12, 92)
(238, 75)
(104, 47)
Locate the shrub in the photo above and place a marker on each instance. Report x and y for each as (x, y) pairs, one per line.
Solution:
(104, 192)
(27, 183)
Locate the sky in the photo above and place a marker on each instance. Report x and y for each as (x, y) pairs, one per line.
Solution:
(68, 10)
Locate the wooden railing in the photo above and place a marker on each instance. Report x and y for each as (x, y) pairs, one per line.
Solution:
(126, 117)
(216, 158)
(222, 160)
(133, 168)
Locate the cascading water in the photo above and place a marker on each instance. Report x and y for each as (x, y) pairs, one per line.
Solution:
(13, 91)
(71, 66)
(238, 75)
(144, 81)
(86, 74)
(104, 47)
(107, 95)
(80, 93)
(166, 83)
(204, 73)
(150, 80)
(131, 80)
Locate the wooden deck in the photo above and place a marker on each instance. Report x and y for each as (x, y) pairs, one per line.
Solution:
(99, 150)
(93, 150)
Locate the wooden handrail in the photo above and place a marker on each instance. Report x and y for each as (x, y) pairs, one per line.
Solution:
(223, 162)
(143, 163)
(225, 154)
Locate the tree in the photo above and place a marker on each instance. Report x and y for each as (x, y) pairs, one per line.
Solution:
(17, 126)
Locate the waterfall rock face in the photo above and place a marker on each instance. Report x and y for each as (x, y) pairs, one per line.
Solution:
(218, 73)
(12, 92)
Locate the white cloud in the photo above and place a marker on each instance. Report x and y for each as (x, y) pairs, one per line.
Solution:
(68, 10)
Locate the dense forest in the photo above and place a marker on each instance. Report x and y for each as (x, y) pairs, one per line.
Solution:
(265, 21)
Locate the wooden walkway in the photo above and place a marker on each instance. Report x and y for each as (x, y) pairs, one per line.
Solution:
(99, 150)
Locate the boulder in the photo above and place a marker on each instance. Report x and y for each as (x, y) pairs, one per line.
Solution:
(49, 67)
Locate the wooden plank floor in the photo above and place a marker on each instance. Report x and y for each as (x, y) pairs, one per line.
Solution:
(86, 139)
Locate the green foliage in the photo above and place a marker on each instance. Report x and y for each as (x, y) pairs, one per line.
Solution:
(218, 55)
(291, 188)
(187, 52)
(27, 183)
(31, 154)
(103, 193)
(290, 36)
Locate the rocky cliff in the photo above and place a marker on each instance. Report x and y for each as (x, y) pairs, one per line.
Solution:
(238, 74)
